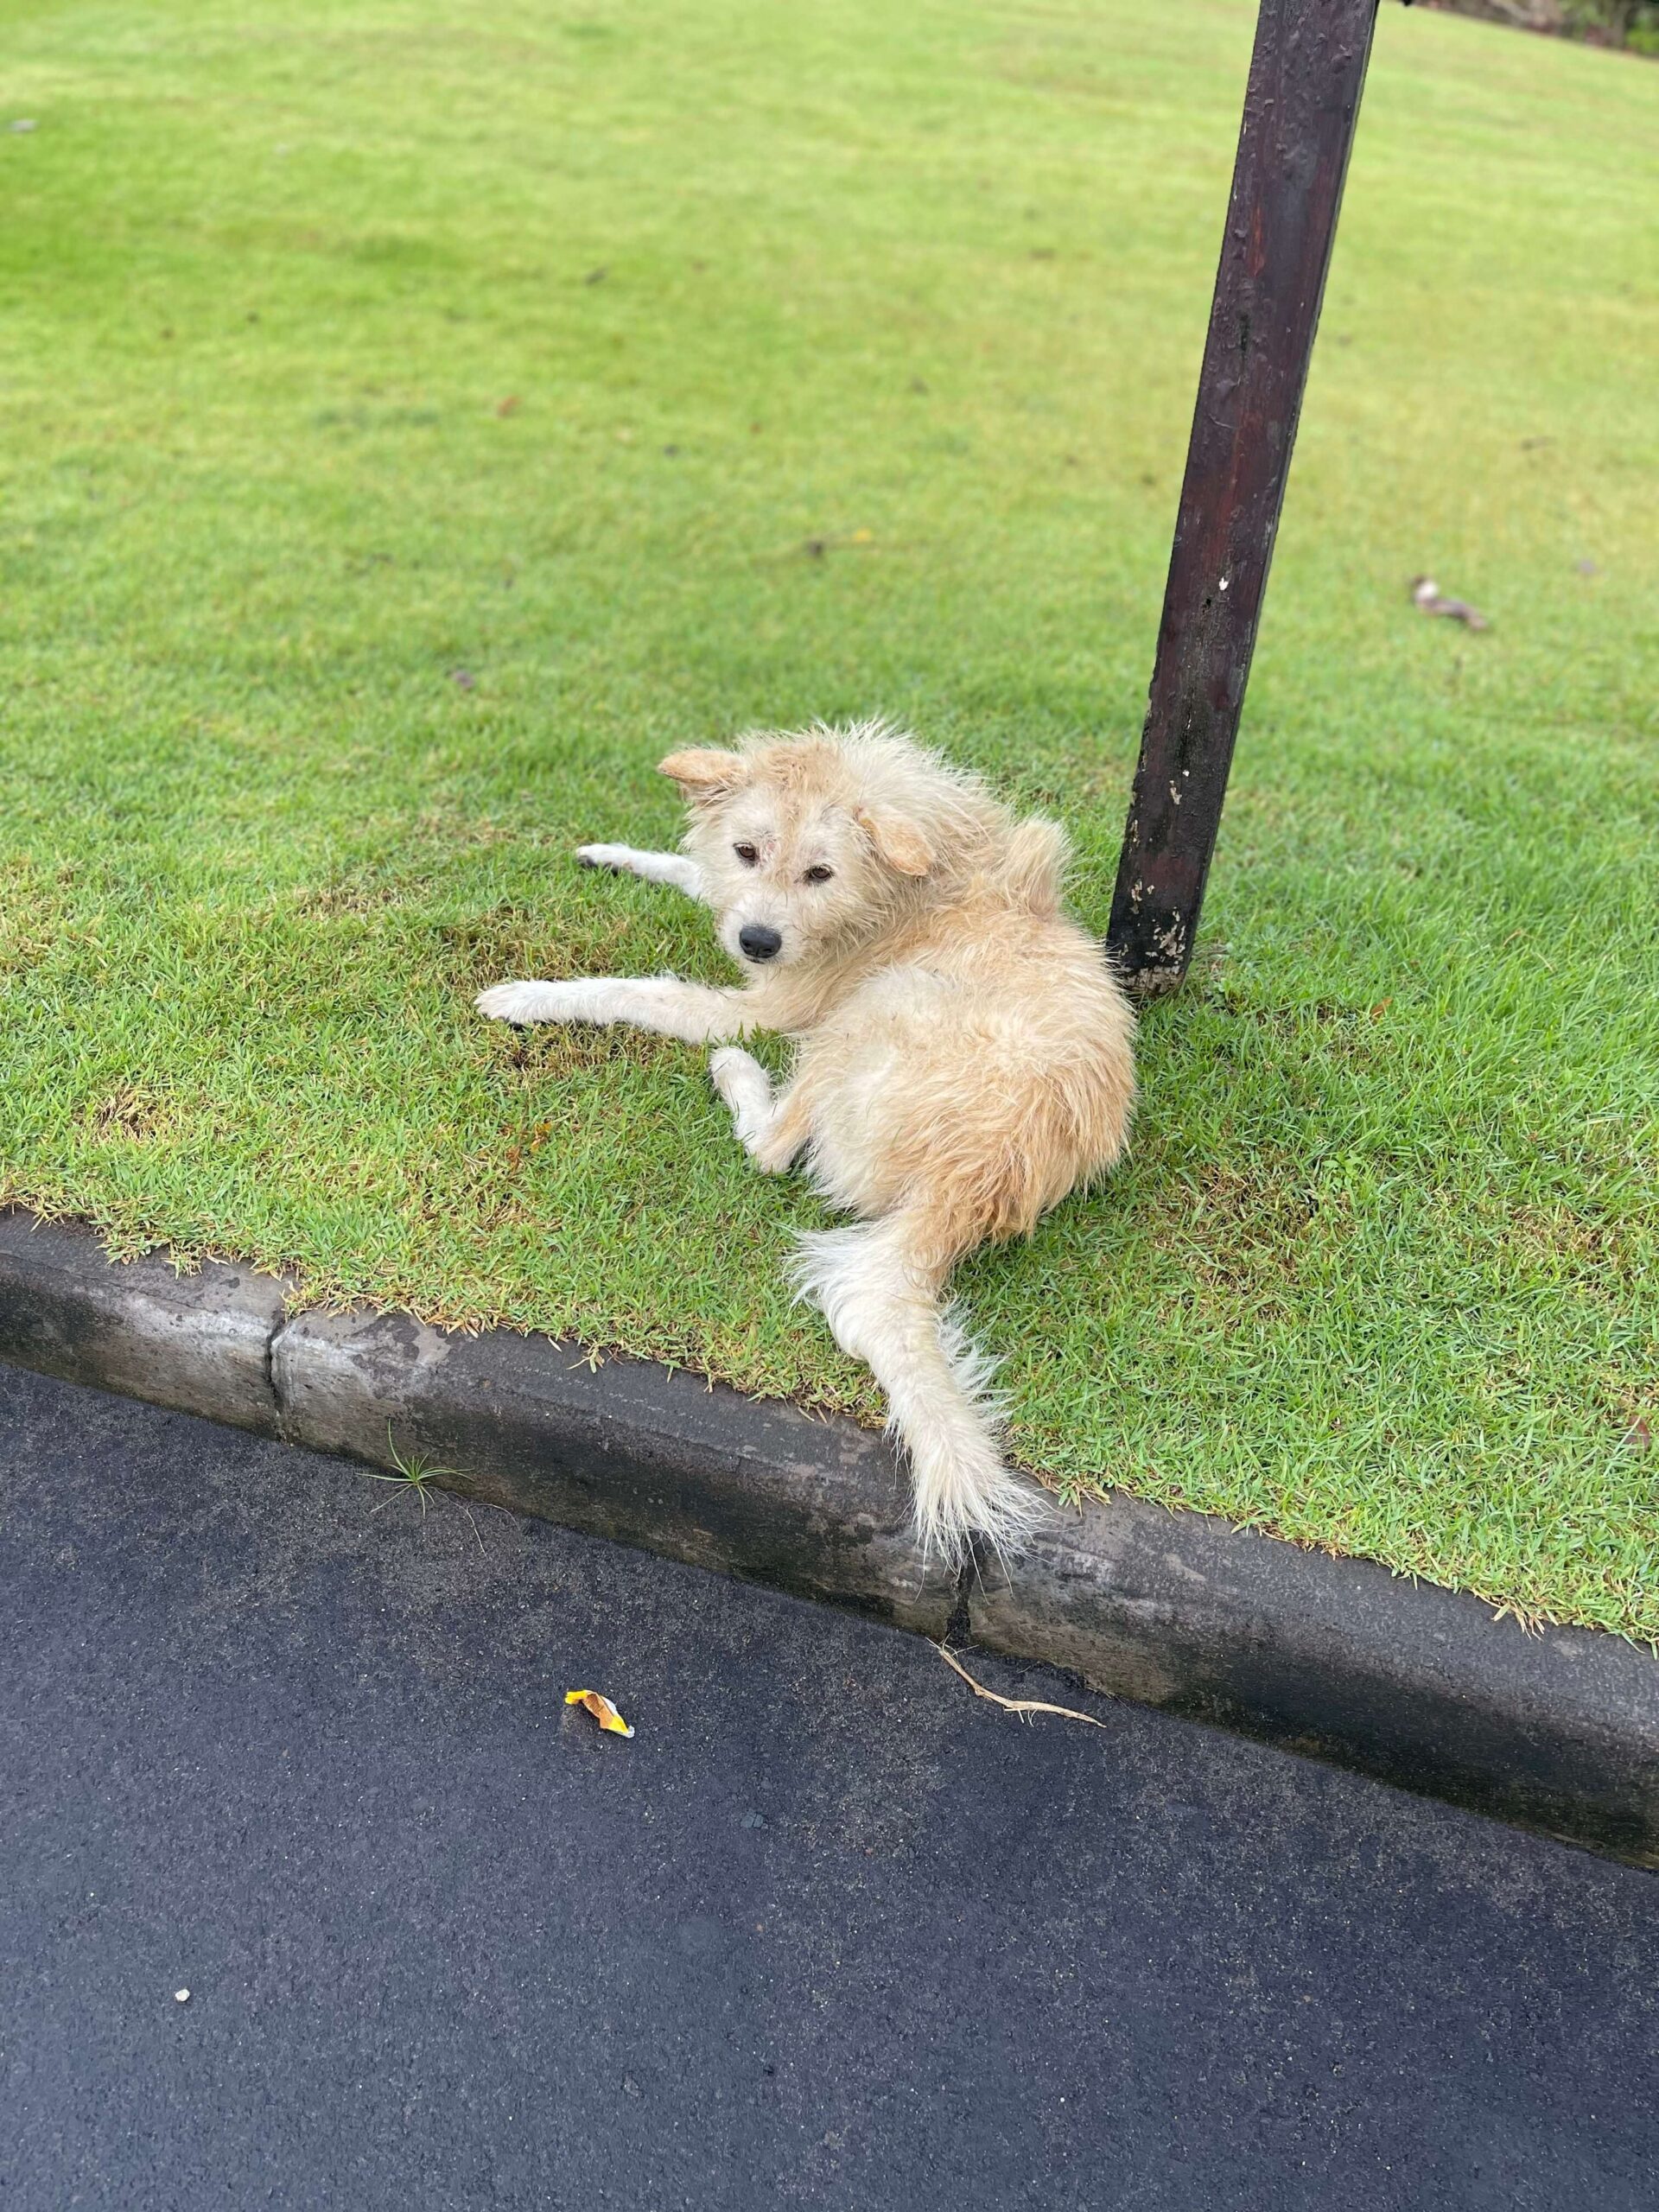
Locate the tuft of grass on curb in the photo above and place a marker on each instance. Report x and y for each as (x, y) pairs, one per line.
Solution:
(416, 421)
(414, 1474)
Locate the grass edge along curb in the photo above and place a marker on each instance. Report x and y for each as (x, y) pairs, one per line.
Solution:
(1335, 1658)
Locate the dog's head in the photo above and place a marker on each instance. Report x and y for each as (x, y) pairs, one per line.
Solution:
(810, 845)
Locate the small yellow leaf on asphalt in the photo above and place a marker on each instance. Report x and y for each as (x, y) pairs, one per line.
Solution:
(601, 1708)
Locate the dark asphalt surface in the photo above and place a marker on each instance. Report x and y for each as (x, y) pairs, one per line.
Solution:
(829, 1930)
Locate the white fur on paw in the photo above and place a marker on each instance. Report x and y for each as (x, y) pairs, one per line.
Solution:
(513, 1002)
(732, 1069)
(617, 858)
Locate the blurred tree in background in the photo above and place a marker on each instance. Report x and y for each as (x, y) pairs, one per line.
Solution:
(1633, 24)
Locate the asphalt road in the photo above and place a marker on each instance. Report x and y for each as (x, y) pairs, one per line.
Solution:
(828, 1930)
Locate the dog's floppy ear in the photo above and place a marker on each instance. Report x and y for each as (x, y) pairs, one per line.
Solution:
(899, 842)
(704, 772)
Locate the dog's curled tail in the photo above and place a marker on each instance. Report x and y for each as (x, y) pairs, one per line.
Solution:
(878, 1286)
(1034, 864)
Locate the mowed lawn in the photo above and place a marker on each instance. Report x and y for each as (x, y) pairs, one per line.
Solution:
(417, 421)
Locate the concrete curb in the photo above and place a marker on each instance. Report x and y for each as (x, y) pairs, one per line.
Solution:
(1342, 1659)
(624, 1449)
(1335, 1658)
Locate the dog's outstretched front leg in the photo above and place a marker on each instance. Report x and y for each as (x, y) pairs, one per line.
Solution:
(772, 1130)
(692, 1012)
(655, 867)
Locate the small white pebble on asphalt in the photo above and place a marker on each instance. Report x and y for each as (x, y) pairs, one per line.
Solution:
(180, 1997)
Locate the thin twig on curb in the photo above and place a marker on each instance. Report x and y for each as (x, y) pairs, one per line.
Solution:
(1025, 1706)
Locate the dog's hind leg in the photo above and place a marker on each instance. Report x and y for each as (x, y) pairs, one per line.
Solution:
(692, 1012)
(770, 1129)
(654, 868)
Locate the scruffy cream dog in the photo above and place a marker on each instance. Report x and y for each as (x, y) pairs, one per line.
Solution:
(963, 1054)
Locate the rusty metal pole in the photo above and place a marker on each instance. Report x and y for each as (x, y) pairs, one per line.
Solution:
(1300, 107)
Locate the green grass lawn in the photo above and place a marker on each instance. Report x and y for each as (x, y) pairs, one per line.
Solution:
(416, 421)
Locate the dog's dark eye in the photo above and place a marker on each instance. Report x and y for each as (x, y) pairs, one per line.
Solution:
(746, 853)
(819, 874)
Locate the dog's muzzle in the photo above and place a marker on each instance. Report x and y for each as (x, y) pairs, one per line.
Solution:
(758, 942)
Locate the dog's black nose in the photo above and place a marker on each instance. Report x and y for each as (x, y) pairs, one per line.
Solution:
(759, 943)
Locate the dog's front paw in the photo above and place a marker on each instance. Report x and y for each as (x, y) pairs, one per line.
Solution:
(728, 1062)
(515, 1002)
(617, 859)
(740, 1078)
